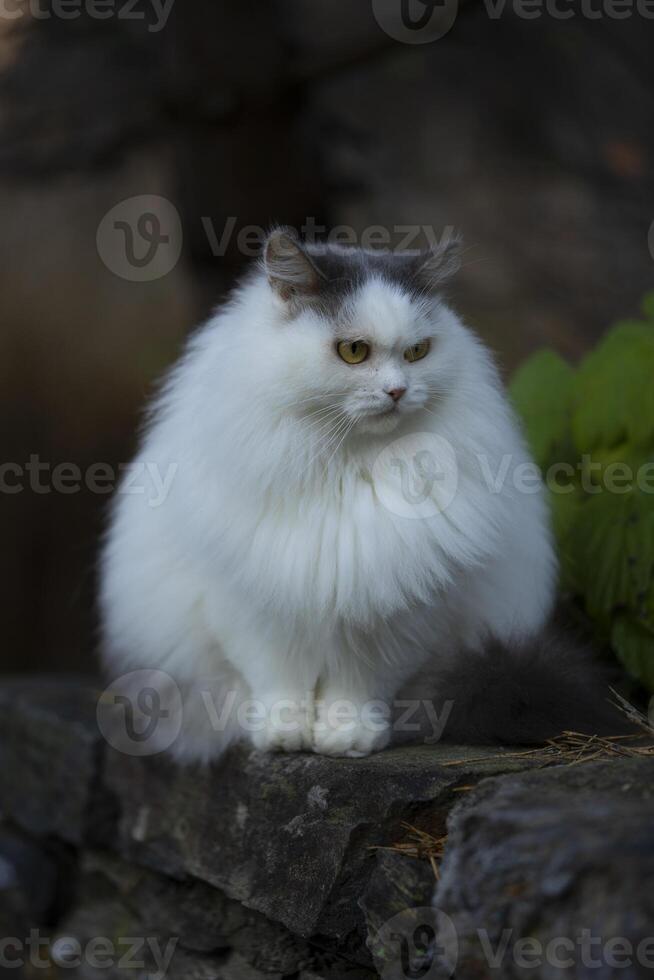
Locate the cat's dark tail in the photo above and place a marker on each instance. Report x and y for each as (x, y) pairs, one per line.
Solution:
(523, 694)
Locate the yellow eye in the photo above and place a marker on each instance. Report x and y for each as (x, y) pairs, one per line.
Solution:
(353, 351)
(417, 351)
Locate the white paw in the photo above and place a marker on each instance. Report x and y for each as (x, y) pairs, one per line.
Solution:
(286, 730)
(352, 739)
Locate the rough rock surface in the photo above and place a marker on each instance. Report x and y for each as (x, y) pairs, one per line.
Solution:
(49, 747)
(289, 836)
(553, 871)
(287, 867)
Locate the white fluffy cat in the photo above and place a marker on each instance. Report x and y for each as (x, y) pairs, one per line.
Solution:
(288, 563)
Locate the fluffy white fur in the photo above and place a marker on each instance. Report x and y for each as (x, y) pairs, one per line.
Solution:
(273, 569)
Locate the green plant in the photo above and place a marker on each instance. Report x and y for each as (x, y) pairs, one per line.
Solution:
(591, 430)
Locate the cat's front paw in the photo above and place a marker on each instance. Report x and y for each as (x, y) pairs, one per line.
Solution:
(286, 727)
(353, 738)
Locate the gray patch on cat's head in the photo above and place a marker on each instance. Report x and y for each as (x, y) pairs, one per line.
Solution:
(324, 276)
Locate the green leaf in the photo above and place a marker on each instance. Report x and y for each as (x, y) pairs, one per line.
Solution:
(565, 509)
(598, 419)
(612, 542)
(634, 644)
(541, 391)
(613, 398)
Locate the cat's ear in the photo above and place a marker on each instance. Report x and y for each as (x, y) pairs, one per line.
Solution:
(291, 272)
(440, 263)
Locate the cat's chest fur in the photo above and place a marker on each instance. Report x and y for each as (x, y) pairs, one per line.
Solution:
(344, 548)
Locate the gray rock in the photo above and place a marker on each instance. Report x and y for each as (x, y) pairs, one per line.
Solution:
(201, 917)
(550, 866)
(28, 884)
(49, 755)
(112, 908)
(252, 855)
(397, 892)
(289, 836)
(281, 865)
(236, 968)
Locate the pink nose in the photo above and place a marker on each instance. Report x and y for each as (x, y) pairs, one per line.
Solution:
(396, 393)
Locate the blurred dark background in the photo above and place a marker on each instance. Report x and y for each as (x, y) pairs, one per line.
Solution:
(533, 137)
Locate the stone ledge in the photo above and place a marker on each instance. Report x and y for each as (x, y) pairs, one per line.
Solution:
(548, 855)
(279, 866)
(290, 836)
(50, 751)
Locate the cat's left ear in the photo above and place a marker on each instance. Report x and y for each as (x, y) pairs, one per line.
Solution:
(291, 272)
(440, 263)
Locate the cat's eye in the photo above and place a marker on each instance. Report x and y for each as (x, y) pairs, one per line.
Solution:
(417, 351)
(353, 351)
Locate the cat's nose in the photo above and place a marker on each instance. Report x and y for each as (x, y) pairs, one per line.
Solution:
(396, 393)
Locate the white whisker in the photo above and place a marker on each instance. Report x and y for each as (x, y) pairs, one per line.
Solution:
(343, 437)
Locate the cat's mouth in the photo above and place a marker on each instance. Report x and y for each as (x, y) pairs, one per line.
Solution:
(383, 410)
(381, 421)
(382, 418)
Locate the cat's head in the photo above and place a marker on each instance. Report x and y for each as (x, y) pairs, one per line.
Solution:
(365, 332)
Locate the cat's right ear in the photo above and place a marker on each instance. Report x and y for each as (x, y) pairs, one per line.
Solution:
(440, 263)
(291, 272)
